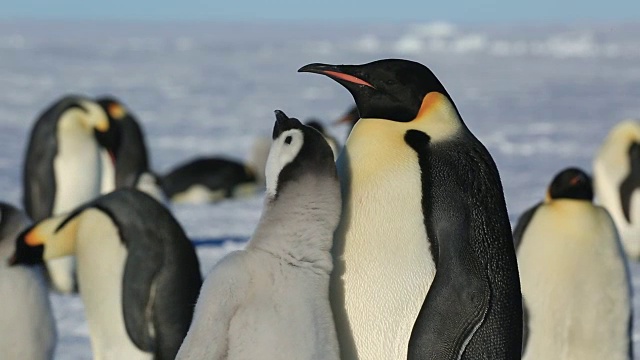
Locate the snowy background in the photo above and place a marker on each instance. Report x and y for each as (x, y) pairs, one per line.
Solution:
(541, 98)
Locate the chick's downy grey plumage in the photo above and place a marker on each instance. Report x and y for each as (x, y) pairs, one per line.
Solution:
(271, 300)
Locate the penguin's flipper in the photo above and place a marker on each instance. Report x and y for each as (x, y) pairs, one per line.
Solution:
(222, 294)
(443, 330)
(525, 325)
(632, 181)
(522, 224)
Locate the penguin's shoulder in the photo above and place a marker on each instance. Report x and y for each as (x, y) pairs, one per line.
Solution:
(523, 222)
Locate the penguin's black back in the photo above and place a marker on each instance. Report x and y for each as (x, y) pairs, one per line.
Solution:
(213, 173)
(476, 268)
(161, 271)
(132, 158)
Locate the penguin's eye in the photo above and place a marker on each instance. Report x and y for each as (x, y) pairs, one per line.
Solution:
(287, 140)
(390, 82)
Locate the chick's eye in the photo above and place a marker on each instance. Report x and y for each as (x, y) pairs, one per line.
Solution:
(287, 140)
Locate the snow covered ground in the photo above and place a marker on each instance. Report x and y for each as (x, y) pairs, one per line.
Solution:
(540, 97)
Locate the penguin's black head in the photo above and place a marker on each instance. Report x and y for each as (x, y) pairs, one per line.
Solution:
(391, 89)
(571, 183)
(297, 150)
(29, 249)
(111, 139)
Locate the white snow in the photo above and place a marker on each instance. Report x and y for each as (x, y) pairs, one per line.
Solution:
(540, 97)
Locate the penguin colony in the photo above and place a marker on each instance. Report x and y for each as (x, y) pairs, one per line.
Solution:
(396, 247)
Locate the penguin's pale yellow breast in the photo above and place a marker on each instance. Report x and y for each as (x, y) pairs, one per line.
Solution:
(385, 268)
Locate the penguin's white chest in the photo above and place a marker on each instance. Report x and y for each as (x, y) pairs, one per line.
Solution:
(77, 169)
(101, 258)
(574, 284)
(383, 265)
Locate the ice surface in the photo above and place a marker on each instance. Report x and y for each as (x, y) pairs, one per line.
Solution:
(541, 98)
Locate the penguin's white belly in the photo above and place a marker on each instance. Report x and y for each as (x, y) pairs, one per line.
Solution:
(608, 178)
(101, 258)
(574, 284)
(77, 175)
(108, 173)
(387, 263)
(27, 327)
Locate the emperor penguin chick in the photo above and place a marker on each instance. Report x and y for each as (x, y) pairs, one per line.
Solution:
(271, 300)
(574, 281)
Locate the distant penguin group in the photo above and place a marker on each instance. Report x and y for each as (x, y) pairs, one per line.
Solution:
(399, 246)
(63, 167)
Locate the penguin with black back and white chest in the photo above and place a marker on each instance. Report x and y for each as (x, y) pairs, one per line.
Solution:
(271, 300)
(424, 261)
(27, 326)
(574, 279)
(616, 171)
(132, 158)
(138, 273)
(63, 168)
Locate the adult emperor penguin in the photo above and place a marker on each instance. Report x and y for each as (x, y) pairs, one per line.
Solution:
(132, 158)
(616, 171)
(574, 281)
(27, 326)
(425, 265)
(208, 179)
(63, 167)
(271, 300)
(138, 273)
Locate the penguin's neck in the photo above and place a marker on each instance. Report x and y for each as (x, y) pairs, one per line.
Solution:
(298, 225)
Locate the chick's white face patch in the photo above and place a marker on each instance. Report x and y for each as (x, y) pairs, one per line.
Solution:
(284, 149)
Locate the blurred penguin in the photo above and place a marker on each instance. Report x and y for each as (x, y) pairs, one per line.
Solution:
(131, 161)
(574, 281)
(208, 179)
(27, 326)
(271, 300)
(63, 167)
(616, 171)
(138, 273)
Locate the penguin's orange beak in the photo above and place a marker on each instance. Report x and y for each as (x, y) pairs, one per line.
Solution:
(335, 72)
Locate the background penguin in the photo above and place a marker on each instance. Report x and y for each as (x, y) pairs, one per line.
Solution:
(425, 266)
(131, 154)
(138, 273)
(208, 179)
(271, 300)
(333, 143)
(63, 167)
(616, 171)
(574, 281)
(350, 117)
(27, 326)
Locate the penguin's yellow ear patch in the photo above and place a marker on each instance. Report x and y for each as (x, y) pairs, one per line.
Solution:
(32, 238)
(116, 111)
(430, 101)
(102, 125)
